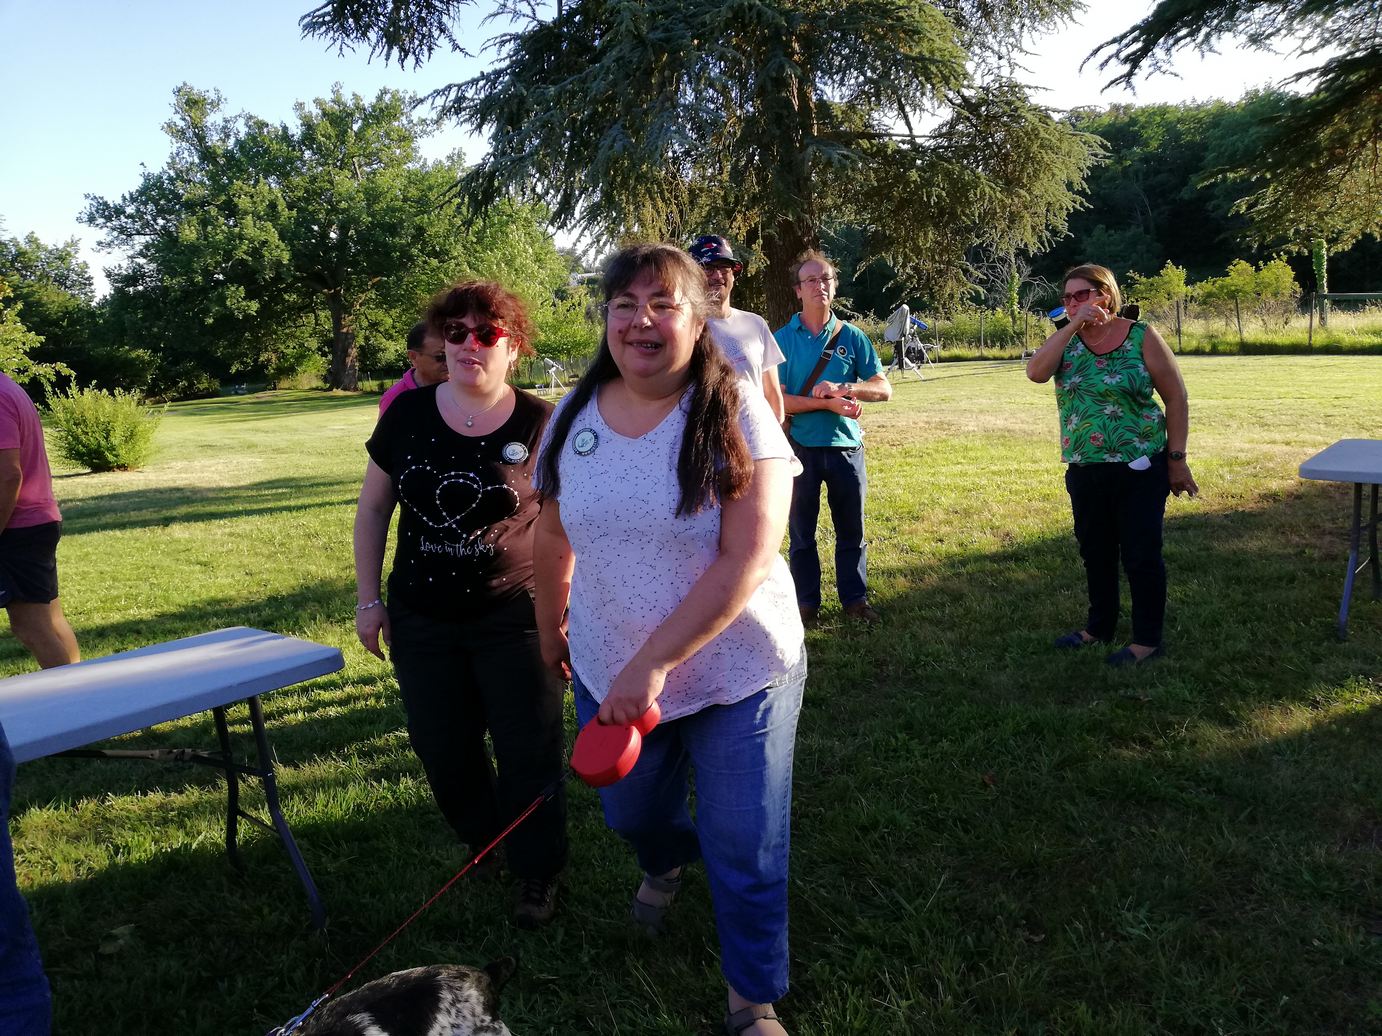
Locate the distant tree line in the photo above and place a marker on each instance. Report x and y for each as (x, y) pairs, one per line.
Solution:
(1164, 193)
(261, 251)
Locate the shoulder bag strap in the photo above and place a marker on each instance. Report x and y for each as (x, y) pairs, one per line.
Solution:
(816, 371)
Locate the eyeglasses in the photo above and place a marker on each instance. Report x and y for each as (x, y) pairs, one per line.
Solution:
(825, 278)
(1076, 298)
(623, 310)
(487, 335)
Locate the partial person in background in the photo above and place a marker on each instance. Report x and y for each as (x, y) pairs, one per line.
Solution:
(426, 363)
(32, 526)
(831, 370)
(25, 1001)
(457, 457)
(1123, 455)
(744, 337)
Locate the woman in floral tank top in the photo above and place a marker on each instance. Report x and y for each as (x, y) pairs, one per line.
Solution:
(1124, 454)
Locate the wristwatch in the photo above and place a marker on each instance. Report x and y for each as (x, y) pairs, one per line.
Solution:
(1176, 455)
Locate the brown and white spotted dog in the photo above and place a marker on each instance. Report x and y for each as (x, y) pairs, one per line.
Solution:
(438, 1000)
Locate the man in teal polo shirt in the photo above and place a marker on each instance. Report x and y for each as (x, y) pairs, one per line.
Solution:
(826, 436)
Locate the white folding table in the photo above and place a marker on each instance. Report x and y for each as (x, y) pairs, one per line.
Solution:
(57, 711)
(1358, 461)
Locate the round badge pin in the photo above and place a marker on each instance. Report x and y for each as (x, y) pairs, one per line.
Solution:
(514, 453)
(585, 442)
(841, 351)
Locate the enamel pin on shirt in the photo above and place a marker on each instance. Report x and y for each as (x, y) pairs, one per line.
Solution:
(514, 453)
(585, 442)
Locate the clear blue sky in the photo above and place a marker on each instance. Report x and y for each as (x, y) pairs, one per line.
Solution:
(87, 85)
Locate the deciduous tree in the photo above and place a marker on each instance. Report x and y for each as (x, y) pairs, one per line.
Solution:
(1318, 165)
(257, 241)
(54, 287)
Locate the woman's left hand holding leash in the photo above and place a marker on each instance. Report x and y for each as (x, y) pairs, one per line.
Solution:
(635, 688)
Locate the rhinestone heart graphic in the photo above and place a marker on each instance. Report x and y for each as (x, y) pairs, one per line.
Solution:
(458, 501)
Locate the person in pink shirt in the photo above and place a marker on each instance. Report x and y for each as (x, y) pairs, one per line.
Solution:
(31, 526)
(427, 359)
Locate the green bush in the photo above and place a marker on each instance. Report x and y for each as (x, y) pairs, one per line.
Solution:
(568, 331)
(1159, 293)
(1268, 292)
(103, 431)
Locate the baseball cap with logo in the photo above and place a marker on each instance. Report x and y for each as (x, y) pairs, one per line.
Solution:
(711, 248)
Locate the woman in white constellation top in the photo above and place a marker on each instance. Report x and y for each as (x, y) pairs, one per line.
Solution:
(664, 504)
(459, 622)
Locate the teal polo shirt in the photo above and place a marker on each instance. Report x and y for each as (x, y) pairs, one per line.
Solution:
(853, 359)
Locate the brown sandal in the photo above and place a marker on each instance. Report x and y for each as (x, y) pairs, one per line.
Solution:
(652, 917)
(737, 1021)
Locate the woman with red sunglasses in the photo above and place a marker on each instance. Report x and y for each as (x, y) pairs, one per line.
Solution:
(457, 457)
(1123, 454)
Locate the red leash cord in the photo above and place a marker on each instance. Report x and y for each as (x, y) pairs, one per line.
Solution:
(293, 1024)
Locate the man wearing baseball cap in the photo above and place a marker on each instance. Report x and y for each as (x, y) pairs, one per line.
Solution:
(744, 338)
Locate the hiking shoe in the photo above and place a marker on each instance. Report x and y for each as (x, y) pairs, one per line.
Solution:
(487, 867)
(860, 611)
(537, 902)
(809, 615)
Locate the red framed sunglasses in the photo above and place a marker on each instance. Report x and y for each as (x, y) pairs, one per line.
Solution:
(487, 335)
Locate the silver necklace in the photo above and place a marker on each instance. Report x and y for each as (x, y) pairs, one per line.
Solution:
(470, 421)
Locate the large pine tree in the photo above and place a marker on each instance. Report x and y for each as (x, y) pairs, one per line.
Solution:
(767, 120)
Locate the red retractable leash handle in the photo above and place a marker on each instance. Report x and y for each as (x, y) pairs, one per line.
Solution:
(606, 752)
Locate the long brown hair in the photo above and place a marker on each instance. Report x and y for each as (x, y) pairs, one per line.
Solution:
(714, 462)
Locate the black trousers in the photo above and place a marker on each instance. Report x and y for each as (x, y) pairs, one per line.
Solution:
(460, 679)
(1118, 515)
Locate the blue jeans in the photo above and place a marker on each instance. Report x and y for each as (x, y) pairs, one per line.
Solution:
(742, 756)
(842, 472)
(25, 1003)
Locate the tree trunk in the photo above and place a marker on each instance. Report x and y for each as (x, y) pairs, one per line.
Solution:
(344, 372)
(782, 243)
(793, 227)
(1319, 256)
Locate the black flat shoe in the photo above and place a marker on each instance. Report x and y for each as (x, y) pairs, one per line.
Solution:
(1123, 657)
(1074, 640)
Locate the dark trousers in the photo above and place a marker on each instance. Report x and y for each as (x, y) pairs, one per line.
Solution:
(460, 679)
(25, 1005)
(1118, 514)
(841, 471)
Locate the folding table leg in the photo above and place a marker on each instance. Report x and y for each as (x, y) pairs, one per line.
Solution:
(1354, 535)
(285, 833)
(232, 789)
(1372, 548)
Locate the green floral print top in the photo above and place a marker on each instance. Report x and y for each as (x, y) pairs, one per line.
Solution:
(1107, 414)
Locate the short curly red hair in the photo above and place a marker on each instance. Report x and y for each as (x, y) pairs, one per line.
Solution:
(483, 299)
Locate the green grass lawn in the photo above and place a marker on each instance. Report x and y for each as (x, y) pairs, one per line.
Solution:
(989, 837)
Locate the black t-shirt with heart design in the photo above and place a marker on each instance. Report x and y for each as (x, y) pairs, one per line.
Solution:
(467, 504)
